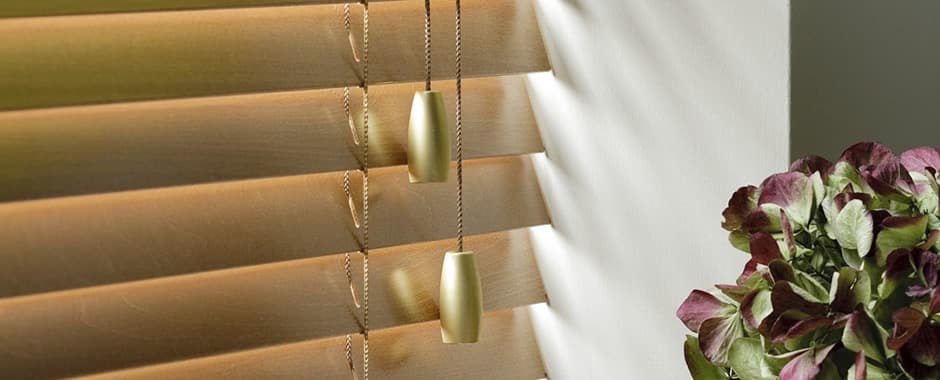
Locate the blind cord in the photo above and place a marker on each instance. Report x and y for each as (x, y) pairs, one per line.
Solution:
(459, 133)
(365, 189)
(347, 260)
(427, 45)
(364, 225)
(349, 358)
(347, 23)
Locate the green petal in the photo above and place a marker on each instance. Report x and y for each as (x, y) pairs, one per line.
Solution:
(748, 360)
(699, 367)
(854, 228)
(872, 372)
(899, 232)
(861, 334)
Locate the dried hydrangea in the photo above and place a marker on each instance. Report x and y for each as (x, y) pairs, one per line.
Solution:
(843, 276)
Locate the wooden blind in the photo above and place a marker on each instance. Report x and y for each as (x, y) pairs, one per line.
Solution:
(171, 189)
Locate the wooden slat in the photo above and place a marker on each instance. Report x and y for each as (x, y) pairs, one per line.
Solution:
(34, 8)
(90, 240)
(54, 61)
(173, 318)
(507, 351)
(82, 150)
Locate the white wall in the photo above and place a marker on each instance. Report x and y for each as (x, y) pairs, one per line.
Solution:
(865, 70)
(658, 110)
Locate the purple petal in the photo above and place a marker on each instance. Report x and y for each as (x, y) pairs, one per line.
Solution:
(698, 307)
(928, 263)
(776, 325)
(861, 367)
(747, 308)
(764, 248)
(924, 347)
(749, 268)
(756, 221)
(741, 204)
(917, 291)
(812, 164)
(806, 365)
(878, 217)
(932, 237)
(887, 177)
(907, 322)
(935, 303)
(716, 335)
(898, 263)
(783, 297)
(801, 328)
(788, 236)
(861, 333)
(843, 199)
(924, 160)
(867, 153)
(781, 271)
(844, 300)
(792, 191)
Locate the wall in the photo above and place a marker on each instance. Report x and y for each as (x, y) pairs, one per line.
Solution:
(864, 70)
(657, 111)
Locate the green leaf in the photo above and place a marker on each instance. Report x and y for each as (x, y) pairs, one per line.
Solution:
(899, 232)
(699, 367)
(748, 360)
(854, 228)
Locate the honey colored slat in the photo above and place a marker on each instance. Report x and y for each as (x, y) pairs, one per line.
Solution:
(90, 240)
(55, 61)
(173, 318)
(33, 8)
(507, 351)
(82, 150)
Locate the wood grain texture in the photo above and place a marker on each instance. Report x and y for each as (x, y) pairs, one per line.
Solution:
(71, 242)
(507, 351)
(58, 61)
(34, 8)
(83, 150)
(174, 318)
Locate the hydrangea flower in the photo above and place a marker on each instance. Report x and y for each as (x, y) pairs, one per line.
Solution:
(841, 279)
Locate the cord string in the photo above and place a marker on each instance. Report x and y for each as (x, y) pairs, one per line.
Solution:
(365, 190)
(459, 133)
(427, 45)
